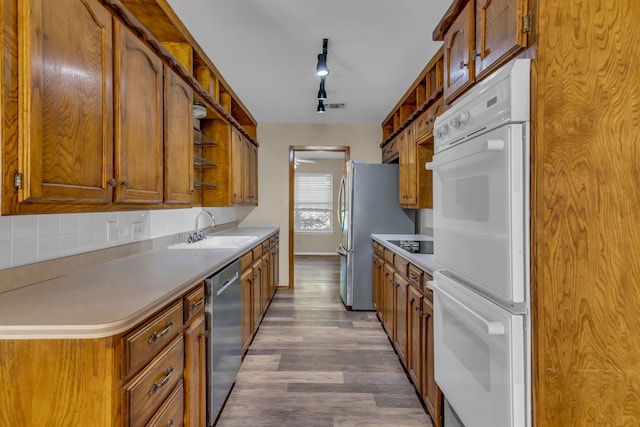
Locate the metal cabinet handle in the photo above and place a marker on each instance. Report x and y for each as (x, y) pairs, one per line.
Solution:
(412, 277)
(463, 64)
(126, 183)
(170, 423)
(112, 182)
(162, 382)
(196, 304)
(158, 334)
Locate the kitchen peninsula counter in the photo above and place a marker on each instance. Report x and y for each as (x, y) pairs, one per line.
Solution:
(110, 298)
(425, 261)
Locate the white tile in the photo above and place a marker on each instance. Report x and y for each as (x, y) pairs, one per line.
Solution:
(85, 240)
(68, 223)
(5, 254)
(85, 222)
(100, 238)
(48, 225)
(68, 243)
(5, 228)
(24, 251)
(48, 247)
(100, 220)
(24, 226)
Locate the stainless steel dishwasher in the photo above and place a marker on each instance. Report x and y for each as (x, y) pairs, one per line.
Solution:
(223, 323)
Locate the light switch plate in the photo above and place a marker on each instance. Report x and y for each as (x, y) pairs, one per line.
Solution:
(136, 230)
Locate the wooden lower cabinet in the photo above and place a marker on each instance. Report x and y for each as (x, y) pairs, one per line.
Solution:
(378, 277)
(246, 289)
(407, 317)
(195, 375)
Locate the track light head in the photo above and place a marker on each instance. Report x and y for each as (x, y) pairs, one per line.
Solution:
(320, 108)
(321, 68)
(322, 94)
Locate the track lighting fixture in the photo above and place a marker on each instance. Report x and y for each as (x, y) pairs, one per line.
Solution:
(322, 71)
(322, 94)
(321, 68)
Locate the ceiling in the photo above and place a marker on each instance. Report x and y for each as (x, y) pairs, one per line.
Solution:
(267, 51)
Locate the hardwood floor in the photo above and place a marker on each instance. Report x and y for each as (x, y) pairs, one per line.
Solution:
(313, 363)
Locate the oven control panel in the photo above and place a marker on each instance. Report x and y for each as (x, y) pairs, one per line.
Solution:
(500, 99)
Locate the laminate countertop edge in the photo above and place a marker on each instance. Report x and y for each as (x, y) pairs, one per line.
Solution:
(111, 298)
(426, 262)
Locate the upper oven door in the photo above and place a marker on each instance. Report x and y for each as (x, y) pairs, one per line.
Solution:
(479, 356)
(479, 189)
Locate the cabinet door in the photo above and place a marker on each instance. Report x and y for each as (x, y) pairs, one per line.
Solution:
(246, 170)
(237, 152)
(195, 373)
(246, 308)
(414, 344)
(389, 301)
(178, 139)
(276, 266)
(499, 32)
(400, 339)
(266, 292)
(411, 165)
(257, 295)
(66, 102)
(431, 394)
(253, 174)
(403, 167)
(138, 120)
(458, 46)
(377, 266)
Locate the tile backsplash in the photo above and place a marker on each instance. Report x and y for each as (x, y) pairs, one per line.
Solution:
(25, 239)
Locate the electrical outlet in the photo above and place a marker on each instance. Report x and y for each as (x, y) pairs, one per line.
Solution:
(112, 231)
(136, 230)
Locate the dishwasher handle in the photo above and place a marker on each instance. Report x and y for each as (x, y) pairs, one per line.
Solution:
(228, 283)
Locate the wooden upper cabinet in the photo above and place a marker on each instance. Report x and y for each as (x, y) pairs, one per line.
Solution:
(65, 101)
(246, 169)
(237, 152)
(500, 32)
(253, 173)
(408, 164)
(178, 139)
(459, 43)
(138, 120)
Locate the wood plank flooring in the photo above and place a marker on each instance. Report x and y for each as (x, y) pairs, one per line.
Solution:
(313, 363)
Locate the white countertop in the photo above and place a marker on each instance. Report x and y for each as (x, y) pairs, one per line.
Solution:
(111, 298)
(425, 261)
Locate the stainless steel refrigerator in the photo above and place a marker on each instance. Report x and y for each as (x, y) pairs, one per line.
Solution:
(368, 204)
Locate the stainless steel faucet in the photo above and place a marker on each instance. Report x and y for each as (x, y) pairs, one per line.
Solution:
(201, 233)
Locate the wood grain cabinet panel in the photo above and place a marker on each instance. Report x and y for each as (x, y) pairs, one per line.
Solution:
(401, 303)
(389, 305)
(431, 393)
(256, 294)
(246, 308)
(194, 303)
(144, 342)
(414, 337)
(65, 101)
(178, 139)
(237, 172)
(148, 390)
(195, 376)
(499, 33)
(138, 120)
(459, 42)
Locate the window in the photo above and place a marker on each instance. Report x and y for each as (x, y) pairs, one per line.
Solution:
(313, 210)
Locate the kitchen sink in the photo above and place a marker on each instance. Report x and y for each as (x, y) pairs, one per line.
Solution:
(216, 242)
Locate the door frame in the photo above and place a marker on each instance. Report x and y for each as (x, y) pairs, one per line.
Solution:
(292, 151)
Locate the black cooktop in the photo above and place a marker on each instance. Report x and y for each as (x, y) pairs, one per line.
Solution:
(415, 246)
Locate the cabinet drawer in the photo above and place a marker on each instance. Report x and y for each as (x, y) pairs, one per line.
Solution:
(378, 249)
(272, 240)
(171, 413)
(149, 389)
(145, 342)
(388, 255)
(390, 151)
(428, 293)
(265, 246)
(401, 265)
(424, 124)
(415, 276)
(257, 252)
(246, 260)
(194, 303)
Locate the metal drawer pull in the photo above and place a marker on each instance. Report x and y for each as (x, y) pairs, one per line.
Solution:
(412, 277)
(170, 423)
(157, 335)
(162, 382)
(196, 304)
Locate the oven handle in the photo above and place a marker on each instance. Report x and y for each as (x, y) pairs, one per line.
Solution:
(492, 328)
(466, 151)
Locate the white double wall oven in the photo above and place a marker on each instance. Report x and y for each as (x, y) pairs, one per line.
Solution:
(481, 234)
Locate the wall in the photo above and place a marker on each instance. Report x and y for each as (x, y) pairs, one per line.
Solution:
(25, 239)
(322, 243)
(273, 168)
(426, 222)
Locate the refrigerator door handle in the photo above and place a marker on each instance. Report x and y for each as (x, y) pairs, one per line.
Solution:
(340, 204)
(341, 250)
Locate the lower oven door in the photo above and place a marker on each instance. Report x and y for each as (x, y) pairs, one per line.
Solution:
(479, 356)
(479, 216)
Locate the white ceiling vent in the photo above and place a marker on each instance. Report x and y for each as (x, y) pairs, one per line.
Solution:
(336, 106)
